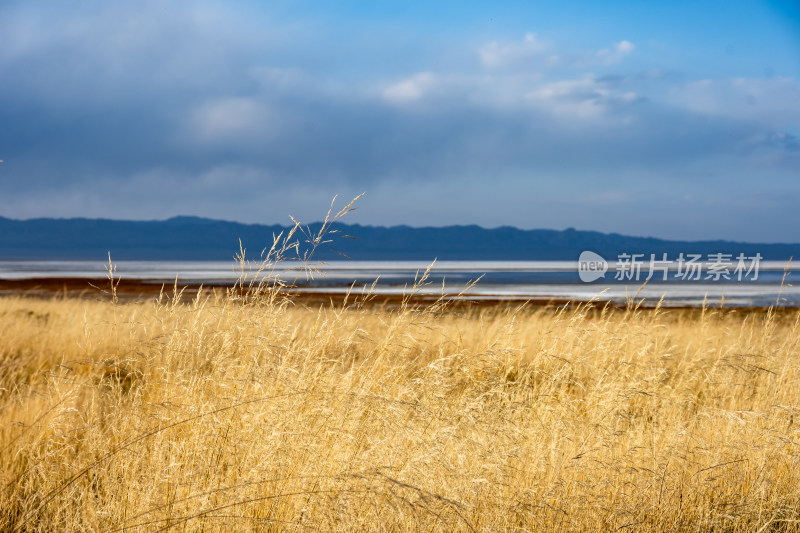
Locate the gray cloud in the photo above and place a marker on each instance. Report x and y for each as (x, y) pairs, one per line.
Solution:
(158, 108)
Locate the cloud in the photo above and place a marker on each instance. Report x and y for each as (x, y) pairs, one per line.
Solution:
(495, 54)
(230, 120)
(233, 110)
(786, 141)
(764, 101)
(410, 89)
(585, 98)
(533, 52)
(608, 56)
(108, 48)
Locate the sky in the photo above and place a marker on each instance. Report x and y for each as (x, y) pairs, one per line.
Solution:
(677, 119)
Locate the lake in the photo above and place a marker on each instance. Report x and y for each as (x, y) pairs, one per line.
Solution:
(517, 280)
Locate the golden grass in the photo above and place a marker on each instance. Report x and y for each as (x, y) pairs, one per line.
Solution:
(261, 415)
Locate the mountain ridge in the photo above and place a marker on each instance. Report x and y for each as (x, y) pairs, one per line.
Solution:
(199, 238)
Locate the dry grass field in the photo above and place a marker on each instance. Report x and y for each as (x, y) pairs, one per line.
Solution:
(237, 412)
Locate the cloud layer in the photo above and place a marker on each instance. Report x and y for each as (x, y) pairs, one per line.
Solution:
(230, 110)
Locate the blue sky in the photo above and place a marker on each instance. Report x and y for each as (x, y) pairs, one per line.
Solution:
(670, 119)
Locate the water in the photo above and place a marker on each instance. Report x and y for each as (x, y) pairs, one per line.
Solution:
(517, 280)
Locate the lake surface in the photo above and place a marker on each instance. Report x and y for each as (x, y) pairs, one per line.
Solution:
(518, 280)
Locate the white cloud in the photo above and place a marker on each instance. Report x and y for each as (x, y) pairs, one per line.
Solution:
(494, 54)
(231, 119)
(625, 47)
(616, 53)
(583, 98)
(410, 89)
(770, 102)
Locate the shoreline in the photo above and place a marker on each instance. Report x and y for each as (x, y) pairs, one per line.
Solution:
(129, 290)
(142, 289)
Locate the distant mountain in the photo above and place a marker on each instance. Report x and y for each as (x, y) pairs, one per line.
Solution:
(193, 238)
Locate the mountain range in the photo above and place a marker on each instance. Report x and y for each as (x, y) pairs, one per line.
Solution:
(195, 238)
